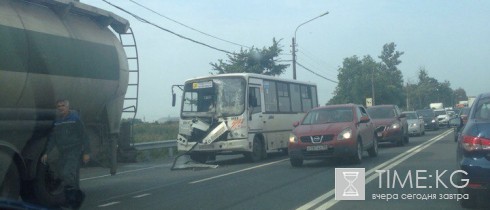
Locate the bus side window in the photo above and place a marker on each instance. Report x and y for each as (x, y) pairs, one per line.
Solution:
(254, 99)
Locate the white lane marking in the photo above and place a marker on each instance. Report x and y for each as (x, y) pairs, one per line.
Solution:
(109, 204)
(142, 195)
(124, 172)
(227, 174)
(394, 161)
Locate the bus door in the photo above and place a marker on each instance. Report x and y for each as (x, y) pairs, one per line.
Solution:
(255, 108)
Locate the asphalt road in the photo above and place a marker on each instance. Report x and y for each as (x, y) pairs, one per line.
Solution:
(275, 184)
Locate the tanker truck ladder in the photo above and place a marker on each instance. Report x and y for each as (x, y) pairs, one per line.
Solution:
(131, 99)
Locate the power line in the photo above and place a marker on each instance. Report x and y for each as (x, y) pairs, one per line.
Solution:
(230, 42)
(308, 61)
(314, 58)
(164, 29)
(299, 64)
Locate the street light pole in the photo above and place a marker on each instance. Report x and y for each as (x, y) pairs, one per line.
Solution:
(294, 42)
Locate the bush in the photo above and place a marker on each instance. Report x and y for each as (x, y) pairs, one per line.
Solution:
(146, 132)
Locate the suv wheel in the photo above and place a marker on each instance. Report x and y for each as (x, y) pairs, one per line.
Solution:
(296, 162)
(357, 158)
(373, 151)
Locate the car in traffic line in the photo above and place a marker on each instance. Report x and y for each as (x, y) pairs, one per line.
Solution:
(463, 118)
(430, 119)
(473, 152)
(391, 124)
(443, 117)
(332, 131)
(415, 123)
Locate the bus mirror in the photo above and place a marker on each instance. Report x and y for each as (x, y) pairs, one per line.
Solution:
(173, 99)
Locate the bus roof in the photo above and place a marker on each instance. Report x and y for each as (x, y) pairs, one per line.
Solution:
(250, 75)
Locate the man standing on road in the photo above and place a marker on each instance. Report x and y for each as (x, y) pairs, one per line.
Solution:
(69, 137)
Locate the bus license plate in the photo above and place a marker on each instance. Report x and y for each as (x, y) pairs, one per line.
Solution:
(317, 148)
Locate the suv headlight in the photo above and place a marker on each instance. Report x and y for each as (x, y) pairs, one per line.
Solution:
(395, 125)
(293, 139)
(345, 134)
(413, 125)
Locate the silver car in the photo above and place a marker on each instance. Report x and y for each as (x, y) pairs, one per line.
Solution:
(415, 124)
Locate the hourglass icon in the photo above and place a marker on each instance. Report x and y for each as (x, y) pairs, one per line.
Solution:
(351, 177)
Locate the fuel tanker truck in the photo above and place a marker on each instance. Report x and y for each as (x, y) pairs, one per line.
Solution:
(50, 50)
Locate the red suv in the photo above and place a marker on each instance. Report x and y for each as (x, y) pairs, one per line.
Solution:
(391, 124)
(333, 131)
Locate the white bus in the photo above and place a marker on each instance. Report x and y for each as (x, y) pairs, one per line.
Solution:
(243, 113)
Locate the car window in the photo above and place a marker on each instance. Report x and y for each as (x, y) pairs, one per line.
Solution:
(381, 112)
(331, 115)
(483, 109)
(411, 115)
(425, 113)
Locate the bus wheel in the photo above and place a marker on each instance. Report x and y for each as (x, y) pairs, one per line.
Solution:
(199, 157)
(10, 187)
(257, 151)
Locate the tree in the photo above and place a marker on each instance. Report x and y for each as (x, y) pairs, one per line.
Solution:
(253, 60)
(354, 80)
(430, 90)
(460, 95)
(390, 89)
(356, 77)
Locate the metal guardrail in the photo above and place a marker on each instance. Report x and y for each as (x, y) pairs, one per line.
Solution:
(145, 146)
(156, 144)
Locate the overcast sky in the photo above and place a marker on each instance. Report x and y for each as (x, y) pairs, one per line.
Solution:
(449, 38)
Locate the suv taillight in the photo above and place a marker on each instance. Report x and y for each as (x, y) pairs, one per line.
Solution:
(473, 143)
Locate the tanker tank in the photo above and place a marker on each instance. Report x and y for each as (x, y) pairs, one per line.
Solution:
(50, 50)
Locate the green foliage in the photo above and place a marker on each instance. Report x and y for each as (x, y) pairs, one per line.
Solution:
(356, 78)
(145, 132)
(254, 60)
(430, 90)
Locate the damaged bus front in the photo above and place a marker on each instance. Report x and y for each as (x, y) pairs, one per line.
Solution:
(212, 117)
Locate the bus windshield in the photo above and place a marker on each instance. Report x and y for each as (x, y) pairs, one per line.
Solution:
(214, 97)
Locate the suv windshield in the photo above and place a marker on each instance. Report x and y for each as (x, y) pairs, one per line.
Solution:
(329, 115)
(411, 115)
(426, 113)
(216, 97)
(440, 112)
(381, 112)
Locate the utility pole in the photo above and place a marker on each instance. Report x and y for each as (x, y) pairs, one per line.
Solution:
(294, 59)
(372, 86)
(407, 98)
(294, 41)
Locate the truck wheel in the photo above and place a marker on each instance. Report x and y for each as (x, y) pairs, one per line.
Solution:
(257, 151)
(47, 189)
(10, 187)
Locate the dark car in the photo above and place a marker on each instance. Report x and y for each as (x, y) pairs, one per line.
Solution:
(473, 152)
(463, 118)
(391, 124)
(430, 119)
(332, 131)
